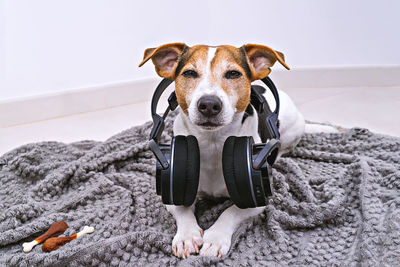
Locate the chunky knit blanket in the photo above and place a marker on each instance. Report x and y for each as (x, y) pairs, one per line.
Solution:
(336, 202)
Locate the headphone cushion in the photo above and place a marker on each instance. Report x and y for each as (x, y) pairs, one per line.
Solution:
(186, 169)
(235, 169)
(192, 170)
(178, 175)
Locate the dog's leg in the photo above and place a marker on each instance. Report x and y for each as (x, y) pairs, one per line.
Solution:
(189, 236)
(217, 239)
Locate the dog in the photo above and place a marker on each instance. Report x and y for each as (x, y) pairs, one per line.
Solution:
(212, 85)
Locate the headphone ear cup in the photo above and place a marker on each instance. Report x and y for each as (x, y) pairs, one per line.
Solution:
(192, 171)
(178, 174)
(235, 169)
(185, 170)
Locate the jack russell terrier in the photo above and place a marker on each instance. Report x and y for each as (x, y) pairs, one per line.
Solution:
(212, 86)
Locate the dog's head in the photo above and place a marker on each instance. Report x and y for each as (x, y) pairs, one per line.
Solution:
(212, 84)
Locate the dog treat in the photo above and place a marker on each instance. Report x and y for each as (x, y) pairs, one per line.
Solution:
(55, 229)
(56, 242)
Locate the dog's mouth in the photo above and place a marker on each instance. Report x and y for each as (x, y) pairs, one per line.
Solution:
(208, 125)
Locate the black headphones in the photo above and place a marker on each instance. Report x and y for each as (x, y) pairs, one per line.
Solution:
(245, 164)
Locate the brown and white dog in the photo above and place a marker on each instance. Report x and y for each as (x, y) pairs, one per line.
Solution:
(212, 85)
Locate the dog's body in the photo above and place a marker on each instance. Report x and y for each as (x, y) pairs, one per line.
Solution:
(213, 90)
(211, 143)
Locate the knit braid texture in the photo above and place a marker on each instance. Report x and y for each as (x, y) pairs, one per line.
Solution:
(335, 203)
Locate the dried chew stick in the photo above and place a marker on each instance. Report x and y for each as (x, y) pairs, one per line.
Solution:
(56, 242)
(55, 229)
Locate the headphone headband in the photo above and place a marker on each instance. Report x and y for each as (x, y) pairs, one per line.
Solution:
(268, 121)
(158, 121)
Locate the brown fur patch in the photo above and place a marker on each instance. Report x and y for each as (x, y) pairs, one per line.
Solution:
(165, 58)
(195, 58)
(230, 58)
(256, 53)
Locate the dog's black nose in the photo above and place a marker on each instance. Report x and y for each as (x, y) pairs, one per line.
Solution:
(209, 105)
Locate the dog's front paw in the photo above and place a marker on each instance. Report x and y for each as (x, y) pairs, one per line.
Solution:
(216, 243)
(187, 241)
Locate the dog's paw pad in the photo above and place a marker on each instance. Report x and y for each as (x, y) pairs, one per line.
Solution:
(216, 244)
(187, 242)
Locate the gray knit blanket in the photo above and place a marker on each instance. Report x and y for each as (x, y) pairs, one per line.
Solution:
(336, 203)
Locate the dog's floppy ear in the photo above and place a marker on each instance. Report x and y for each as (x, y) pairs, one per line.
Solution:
(261, 58)
(165, 58)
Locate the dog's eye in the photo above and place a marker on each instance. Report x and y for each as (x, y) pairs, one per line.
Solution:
(190, 74)
(232, 74)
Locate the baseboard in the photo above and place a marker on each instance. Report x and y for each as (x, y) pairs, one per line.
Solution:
(65, 103)
(30, 109)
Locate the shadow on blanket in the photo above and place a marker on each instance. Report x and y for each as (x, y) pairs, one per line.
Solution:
(336, 202)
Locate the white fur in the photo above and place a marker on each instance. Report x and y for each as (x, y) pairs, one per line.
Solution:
(217, 239)
(206, 87)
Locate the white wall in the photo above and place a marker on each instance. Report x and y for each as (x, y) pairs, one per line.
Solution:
(314, 33)
(51, 46)
(2, 46)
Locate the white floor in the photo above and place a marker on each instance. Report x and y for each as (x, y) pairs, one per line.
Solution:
(373, 108)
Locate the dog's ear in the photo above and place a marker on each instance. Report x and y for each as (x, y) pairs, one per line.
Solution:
(261, 58)
(165, 58)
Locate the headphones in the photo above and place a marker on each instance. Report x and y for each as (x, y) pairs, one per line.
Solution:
(245, 164)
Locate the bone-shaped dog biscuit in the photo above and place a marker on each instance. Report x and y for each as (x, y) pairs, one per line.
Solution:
(55, 229)
(56, 242)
